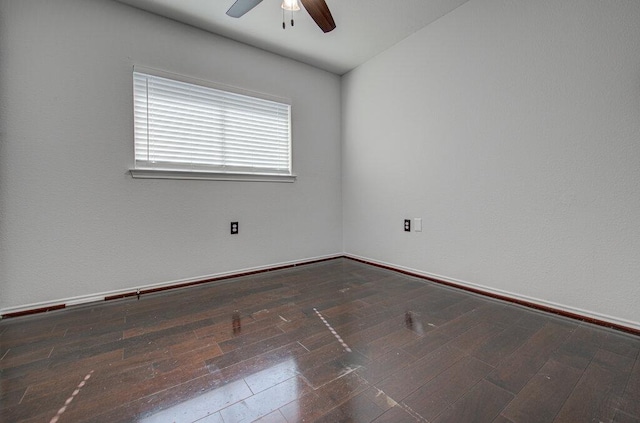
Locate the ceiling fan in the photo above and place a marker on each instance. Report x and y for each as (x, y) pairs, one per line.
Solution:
(318, 10)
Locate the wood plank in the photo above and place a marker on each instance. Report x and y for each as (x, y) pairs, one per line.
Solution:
(516, 370)
(400, 385)
(266, 401)
(631, 397)
(428, 343)
(384, 344)
(501, 345)
(502, 419)
(622, 417)
(356, 409)
(432, 398)
(580, 348)
(541, 398)
(475, 337)
(312, 405)
(396, 414)
(482, 404)
(388, 364)
(597, 394)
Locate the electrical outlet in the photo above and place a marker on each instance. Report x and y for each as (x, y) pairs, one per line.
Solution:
(407, 225)
(234, 228)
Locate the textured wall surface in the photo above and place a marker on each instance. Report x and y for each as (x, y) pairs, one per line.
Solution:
(513, 129)
(72, 220)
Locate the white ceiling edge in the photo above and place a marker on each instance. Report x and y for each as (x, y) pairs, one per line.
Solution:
(365, 28)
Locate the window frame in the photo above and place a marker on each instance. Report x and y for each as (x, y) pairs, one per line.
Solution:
(179, 171)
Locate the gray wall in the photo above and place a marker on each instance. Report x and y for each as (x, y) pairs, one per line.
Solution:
(513, 129)
(73, 222)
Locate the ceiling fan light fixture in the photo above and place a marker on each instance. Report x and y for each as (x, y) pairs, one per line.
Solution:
(290, 5)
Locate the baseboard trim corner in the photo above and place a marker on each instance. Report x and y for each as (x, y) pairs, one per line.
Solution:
(604, 321)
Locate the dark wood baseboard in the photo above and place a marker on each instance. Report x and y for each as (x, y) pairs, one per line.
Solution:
(214, 279)
(524, 303)
(169, 287)
(33, 311)
(518, 301)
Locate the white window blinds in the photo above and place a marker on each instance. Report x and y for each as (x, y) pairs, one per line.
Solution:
(182, 126)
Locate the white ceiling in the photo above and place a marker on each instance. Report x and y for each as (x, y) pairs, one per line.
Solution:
(364, 27)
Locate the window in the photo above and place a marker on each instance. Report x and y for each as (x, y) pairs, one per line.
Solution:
(195, 131)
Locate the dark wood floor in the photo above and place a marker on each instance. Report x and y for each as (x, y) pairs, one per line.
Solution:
(258, 349)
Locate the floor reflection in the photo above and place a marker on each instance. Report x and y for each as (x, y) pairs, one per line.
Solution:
(413, 324)
(242, 400)
(408, 319)
(236, 323)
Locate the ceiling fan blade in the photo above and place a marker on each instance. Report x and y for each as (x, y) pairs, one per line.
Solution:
(240, 7)
(320, 13)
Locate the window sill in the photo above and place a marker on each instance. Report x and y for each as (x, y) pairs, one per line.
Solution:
(210, 176)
